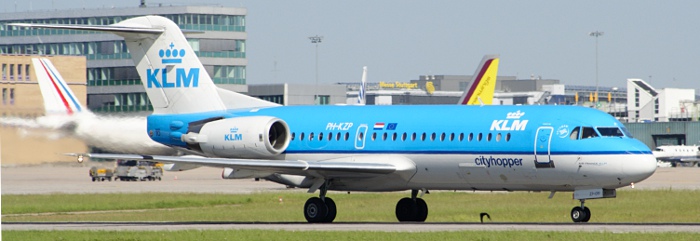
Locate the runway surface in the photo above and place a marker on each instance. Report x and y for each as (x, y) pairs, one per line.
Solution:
(383, 227)
(74, 178)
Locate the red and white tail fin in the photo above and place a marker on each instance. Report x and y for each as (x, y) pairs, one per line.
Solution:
(58, 97)
(481, 88)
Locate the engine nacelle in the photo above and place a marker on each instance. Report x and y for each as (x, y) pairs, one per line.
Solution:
(241, 137)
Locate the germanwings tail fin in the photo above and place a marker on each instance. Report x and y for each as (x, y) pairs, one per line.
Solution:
(480, 90)
(363, 87)
(58, 97)
(174, 78)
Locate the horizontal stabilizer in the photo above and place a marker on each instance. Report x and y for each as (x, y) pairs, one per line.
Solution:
(103, 28)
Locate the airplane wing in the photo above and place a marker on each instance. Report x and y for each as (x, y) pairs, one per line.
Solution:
(372, 165)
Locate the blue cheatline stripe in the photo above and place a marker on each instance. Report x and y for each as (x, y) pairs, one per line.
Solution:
(462, 152)
(65, 88)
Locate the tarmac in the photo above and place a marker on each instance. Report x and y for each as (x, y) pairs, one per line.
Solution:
(74, 178)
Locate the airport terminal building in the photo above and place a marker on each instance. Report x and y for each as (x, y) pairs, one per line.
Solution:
(113, 84)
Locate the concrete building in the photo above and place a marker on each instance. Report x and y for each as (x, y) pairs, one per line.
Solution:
(677, 105)
(113, 84)
(453, 82)
(642, 101)
(21, 98)
(299, 94)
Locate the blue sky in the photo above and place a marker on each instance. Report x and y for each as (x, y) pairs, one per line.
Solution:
(400, 40)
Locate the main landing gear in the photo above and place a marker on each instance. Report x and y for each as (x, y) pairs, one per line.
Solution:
(413, 209)
(320, 209)
(581, 214)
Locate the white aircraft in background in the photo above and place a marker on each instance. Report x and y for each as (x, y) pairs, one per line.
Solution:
(372, 148)
(483, 84)
(65, 116)
(678, 155)
(363, 87)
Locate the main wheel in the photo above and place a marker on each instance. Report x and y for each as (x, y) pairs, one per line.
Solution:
(588, 214)
(578, 214)
(406, 210)
(332, 211)
(315, 211)
(422, 210)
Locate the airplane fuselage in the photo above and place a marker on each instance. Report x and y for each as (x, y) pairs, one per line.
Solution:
(451, 147)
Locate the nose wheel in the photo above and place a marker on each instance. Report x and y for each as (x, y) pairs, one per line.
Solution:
(580, 214)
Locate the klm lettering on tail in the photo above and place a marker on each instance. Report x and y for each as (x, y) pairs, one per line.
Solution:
(511, 123)
(184, 77)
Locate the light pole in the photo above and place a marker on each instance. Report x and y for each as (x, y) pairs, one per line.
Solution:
(596, 34)
(316, 40)
(614, 106)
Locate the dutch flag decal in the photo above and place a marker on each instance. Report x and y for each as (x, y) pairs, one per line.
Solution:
(379, 126)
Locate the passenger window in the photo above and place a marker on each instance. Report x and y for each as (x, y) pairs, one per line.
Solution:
(403, 136)
(413, 136)
(293, 136)
(422, 137)
(442, 136)
(361, 135)
(374, 136)
(575, 133)
(347, 136)
(471, 137)
(337, 136)
(478, 138)
(320, 136)
(384, 136)
(311, 136)
(432, 136)
(461, 137)
(393, 136)
(452, 136)
(508, 137)
(588, 132)
(330, 136)
(488, 137)
(301, 137)
(498, 137)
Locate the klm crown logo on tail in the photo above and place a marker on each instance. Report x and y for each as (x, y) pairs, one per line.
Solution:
(184, 77)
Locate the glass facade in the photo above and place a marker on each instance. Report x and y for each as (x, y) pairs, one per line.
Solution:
(201, 22)
(118, 75)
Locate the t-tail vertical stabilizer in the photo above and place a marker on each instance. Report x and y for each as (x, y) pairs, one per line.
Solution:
(58, 97)
(174, 78)
(483, 84)
(363, 87)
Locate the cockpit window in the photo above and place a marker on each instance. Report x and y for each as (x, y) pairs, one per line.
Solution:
(588, 132)
(610, 131)
(574, 133)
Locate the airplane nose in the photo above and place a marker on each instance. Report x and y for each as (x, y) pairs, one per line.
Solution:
(639, 167)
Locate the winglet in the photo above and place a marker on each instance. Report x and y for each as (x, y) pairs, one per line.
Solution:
(58, 97)
(483, 83)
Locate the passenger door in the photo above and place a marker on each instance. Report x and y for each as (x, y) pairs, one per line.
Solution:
(543, 140)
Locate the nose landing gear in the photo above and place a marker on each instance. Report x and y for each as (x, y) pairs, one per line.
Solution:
(581, 214)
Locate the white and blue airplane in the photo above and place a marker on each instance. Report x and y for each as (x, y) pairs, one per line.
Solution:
(372, 148)
(678, 155)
